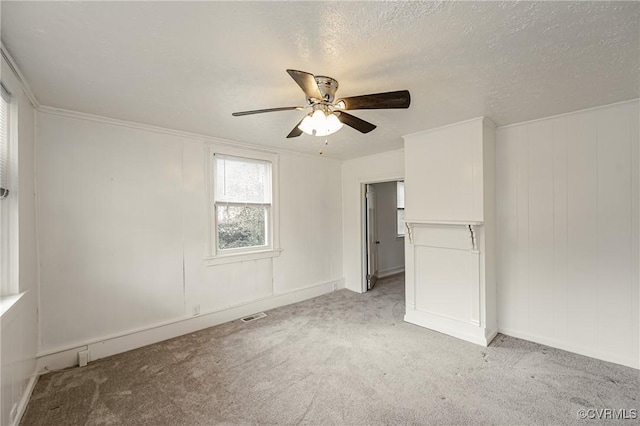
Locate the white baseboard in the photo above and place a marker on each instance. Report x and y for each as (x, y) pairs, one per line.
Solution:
(460, 329)
(22, 405)
(133, 339)
(390, 271)
(581, 350)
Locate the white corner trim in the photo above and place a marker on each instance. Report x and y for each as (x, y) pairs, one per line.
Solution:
(580, 350)
(67, 356)
(26, 396)
(241, 257)
(16, 71)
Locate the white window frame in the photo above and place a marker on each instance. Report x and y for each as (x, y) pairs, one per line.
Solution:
(9, 208)
(213, 255)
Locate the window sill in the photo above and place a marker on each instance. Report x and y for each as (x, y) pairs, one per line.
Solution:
(241, 257)
(8, 302)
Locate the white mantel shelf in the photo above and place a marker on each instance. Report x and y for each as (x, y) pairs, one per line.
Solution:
(442, 222)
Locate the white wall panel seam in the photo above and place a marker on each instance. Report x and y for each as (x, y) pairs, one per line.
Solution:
(37, 226)
(566, 236)
(528, 276)
(183, 192)
(631, 219)
(553, 215)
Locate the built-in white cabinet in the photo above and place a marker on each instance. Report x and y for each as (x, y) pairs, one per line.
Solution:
(450, 215)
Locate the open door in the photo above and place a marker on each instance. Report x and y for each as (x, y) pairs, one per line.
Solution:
(372, 238)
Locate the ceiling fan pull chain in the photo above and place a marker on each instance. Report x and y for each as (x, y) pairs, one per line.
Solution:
(326, 142)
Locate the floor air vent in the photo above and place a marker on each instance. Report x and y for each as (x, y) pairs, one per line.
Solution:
(253, 317)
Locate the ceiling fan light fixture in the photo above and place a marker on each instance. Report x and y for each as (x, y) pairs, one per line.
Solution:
(307, 125)
(319, 123)
(333, 123)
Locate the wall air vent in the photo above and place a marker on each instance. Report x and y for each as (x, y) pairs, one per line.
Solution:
(253, 317)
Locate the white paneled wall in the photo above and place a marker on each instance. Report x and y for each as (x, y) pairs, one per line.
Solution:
(567, 214)
(123, 236)
(110, 229)
(17, 353)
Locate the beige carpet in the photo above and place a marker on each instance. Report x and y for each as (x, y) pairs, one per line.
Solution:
(342, 358)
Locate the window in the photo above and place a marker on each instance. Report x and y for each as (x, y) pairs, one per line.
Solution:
(242, 208)
(400, 207)
(5, 242)
(4, 141)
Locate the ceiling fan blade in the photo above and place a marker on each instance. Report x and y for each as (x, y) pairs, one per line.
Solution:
(307, 83)
(355, 122)
(296, 130)
(260, 111)
(387, 100)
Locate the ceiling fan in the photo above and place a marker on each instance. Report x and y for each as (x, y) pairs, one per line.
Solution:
(328, 114)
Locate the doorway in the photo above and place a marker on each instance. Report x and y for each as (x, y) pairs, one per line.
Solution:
(383, 230)
(371, 224)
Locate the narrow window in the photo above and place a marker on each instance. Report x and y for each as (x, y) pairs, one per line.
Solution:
(400, 207)
(5, 242)
(4, 142)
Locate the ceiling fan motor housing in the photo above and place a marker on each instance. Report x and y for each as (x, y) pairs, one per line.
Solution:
(327, 87)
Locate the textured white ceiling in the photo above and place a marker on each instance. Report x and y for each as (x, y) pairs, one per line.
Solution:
(188, 66)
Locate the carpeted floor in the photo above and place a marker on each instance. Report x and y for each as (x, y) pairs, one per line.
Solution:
(342, 358)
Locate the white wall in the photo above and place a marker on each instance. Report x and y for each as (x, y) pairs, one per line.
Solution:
(567, 208)
(122, 206)
(356, 172)
(391, 248)
(18, 332)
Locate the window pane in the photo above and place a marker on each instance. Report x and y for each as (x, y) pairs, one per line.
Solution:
(7, 285)
(242, 180)
(400, 221)
(400, 194)
(4, 142)
(241, 226)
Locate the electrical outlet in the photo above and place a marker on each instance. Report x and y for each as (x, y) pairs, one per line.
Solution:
(196, 310)
(83, 358)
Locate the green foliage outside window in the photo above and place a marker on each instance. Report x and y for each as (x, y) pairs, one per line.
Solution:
(241, 226)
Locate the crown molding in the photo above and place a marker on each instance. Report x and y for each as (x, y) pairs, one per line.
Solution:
(16, 71)
(178, 133)
(433, 129)
(564, 114)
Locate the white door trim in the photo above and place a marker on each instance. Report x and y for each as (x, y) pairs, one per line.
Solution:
(362, 223)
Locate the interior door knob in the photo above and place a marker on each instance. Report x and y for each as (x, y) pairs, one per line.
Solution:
(377, 242)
